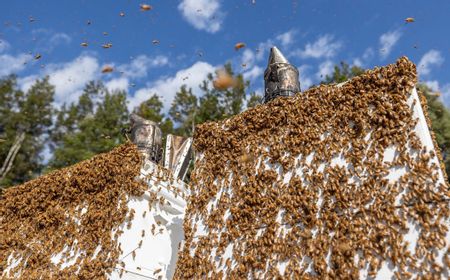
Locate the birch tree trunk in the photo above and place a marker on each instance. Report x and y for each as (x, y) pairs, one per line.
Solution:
(8, 163)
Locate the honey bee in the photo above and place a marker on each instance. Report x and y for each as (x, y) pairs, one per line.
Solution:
(107, 45)
(145, 7)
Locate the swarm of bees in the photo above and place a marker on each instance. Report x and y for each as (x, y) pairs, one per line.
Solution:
(76, 207)
(267, 185)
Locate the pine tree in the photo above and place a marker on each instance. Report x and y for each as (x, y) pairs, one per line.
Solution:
(183, 111)
(254, 99)
(342, 73)
(188, 110)
(222, 103)
(91, 126)
(151, 109)
(29, 114)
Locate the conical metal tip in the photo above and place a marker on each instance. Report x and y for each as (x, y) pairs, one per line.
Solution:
(276, 56)
(280, 77)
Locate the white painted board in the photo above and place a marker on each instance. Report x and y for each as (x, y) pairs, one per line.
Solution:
(410, 238)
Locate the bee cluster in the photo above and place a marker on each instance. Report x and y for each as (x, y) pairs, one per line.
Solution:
(299, 188)
(72, 213)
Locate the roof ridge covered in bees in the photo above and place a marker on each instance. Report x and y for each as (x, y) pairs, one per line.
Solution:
(72, 215)
(335, 182)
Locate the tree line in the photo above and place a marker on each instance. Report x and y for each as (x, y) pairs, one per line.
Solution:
(30, 123)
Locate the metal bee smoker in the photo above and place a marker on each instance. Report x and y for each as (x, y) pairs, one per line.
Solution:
(147, 136)
(280, 78)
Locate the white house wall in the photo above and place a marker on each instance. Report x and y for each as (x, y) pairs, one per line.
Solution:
(201, 256)
(150, 244)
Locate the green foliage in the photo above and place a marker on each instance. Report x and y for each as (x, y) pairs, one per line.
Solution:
(218, 104)
(31, 113)
(91, 126)
(440, 123)
(183, 111)
(342, 73)
(254, 100)
(187, 110)
(152, 109)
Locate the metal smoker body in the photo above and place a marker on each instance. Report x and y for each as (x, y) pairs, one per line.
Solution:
(280, 78)
(147, 136)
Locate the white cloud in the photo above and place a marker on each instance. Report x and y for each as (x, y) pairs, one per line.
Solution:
(26, 82)
(325, 69)
(140, 65)
(47, 40)
(13, 64)
(202, 14)
(117, 84)
(253, 73)
(305, 79)
(431, 58)
(433, 85)
(366, 57)
(71, 77)
(159, 61)
(4, 46)
(388, 41)
(167, 87)
(358, 62)
(68, 78)
(252, 57)
(262, 49)
(248, 57)
(324, 47)
(286, 38)
(443, 90)
(59, 38)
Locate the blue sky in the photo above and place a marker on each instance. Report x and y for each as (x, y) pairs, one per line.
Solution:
(198, 36)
